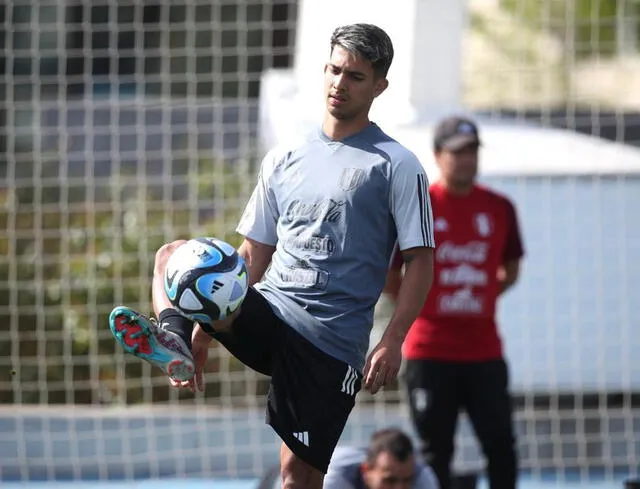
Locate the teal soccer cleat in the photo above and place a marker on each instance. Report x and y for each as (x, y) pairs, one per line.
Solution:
(143, 338)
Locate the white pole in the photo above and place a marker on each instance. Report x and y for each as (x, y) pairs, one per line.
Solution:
(427, 36)
(425, 77)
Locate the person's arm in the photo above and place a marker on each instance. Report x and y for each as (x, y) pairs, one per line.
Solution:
(411, 209)
(508, 274)
(394, 276)
(384, 361)
(412, 292)
(509, 271)
(257, 256)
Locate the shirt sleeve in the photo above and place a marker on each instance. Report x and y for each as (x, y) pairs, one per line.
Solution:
(336, 481)
(343, 471)
(513, 249)
(426, 479)
(260, 217)
(411, 205)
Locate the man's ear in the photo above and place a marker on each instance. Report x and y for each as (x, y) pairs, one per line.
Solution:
(381, 86)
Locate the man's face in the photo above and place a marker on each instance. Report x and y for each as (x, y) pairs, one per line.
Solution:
(460, 166)
(389, 473)
(350, 85)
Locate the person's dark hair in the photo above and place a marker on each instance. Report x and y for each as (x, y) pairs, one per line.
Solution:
(393, 441)
(369, 42)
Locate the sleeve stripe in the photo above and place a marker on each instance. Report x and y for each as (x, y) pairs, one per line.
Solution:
(425, 213)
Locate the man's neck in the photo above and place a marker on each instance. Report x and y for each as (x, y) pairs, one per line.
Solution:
(456, 189)
(338, 130)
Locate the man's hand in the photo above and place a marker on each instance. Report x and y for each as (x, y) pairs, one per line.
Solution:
(409, 293)
(383, 364)
(200, 350)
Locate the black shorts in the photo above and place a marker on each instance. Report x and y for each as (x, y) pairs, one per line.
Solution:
(311, 393)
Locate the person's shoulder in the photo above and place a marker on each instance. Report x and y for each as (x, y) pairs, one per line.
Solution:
(396, 151)
(426, 478)
(493, 196)
(346, 456)
(344, 467)
(285, 150)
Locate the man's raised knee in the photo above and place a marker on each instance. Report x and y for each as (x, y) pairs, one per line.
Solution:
(163, 254)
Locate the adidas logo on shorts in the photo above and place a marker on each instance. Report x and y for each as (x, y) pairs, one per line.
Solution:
(302, 437)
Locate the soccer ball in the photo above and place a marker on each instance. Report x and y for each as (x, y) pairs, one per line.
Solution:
(205, 279)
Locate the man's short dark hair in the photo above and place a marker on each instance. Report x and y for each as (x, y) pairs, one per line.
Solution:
(369, 42)
(391, 440)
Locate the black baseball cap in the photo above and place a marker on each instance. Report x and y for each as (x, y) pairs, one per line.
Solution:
(454, 133)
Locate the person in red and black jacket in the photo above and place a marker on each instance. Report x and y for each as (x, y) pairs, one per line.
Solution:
(453, 352)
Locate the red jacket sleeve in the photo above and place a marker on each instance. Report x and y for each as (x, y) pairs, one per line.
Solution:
(513, 249)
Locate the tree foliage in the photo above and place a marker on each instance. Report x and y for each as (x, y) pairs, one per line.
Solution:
(587, 27)
(69, 254)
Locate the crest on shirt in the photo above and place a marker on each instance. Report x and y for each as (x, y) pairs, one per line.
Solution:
(351, 178)
(483, 224)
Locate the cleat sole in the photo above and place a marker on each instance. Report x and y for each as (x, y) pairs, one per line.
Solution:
(138, 337)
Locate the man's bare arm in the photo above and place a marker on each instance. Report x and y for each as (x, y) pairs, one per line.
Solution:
(508, 274)
(409, 291)
(383, 363)
(393, 282)
(257, 257)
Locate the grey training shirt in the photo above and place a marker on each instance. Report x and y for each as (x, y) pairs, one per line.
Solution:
(344, 471)
(334, 210)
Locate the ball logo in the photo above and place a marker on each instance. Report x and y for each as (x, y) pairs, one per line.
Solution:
(203, 254)
(216, 286)
(208, 255)
(483, 224)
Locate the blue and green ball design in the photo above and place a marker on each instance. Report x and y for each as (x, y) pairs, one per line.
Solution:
(206, 280)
